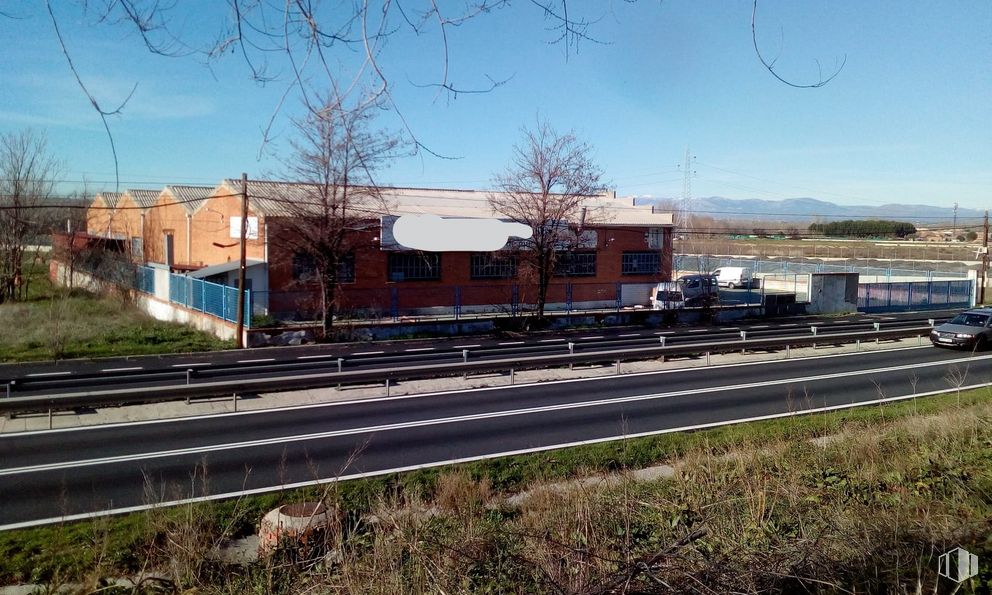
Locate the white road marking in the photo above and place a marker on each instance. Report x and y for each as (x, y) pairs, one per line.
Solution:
(698, 330)
(760, 326)
(196, 450)
(728, 328)
(369, 353)
(550, 340)
(465, 346)
(420, 349)
(40, 374)
(190, 365)
(121, 369)
(513, 343)
(630, 335)
(508, 453)
(590, 338)
(841, 321)
(314, 356)
(256, 361)
(665, 333)
(790, 324)
(701, 369)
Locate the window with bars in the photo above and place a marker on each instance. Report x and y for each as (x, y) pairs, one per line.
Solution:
(414, 266)
(640, 263)
(305, 268)
(575, 264)
(489, 265)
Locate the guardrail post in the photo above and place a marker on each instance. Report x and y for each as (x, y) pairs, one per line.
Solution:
(744, 339)
(49, 418)
(930, 322)
(234, 398)
(387, 386)
(919, 339)
(571, 351)
(858, 343)
(9, 388)
(511, 376)
(618, 367)
(465, 361)
(878, 327)
(340, 363)
(707, 358)
(189, 375)
(788, 352)
(813, 330)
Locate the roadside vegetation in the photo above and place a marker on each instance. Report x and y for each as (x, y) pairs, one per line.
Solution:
(55, 323)
(863, 500)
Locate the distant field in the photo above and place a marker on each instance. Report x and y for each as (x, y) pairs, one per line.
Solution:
(831, 248)
(54, 323)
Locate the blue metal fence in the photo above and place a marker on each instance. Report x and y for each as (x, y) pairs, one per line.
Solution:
(918, 295)
(210, 298)
(144, 279)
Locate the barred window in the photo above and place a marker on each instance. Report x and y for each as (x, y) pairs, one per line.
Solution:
(414, 266)
(641, 263)
(575, 264)
(305, 268)
(489, 265)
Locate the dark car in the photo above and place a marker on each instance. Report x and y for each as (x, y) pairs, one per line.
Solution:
(969, 329)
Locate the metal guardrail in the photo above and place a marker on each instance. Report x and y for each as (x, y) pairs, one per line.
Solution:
(174, 392)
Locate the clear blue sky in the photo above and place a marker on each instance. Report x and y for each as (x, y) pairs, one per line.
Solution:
(908, 119)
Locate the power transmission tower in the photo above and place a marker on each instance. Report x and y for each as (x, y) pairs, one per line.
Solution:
(683, 218)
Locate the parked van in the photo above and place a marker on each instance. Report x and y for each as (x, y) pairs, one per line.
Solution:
(734, 277)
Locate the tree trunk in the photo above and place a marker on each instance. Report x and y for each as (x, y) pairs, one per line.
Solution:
(328, 286)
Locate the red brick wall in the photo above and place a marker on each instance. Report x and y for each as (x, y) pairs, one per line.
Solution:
(211, 239)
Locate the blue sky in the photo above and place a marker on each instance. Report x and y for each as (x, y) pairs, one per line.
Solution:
(908, 119)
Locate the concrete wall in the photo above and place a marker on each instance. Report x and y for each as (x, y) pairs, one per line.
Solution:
(833, 293)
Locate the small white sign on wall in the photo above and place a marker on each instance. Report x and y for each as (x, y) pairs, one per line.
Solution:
(252, 228)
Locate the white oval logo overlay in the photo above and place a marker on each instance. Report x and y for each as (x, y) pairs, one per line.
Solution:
(434, 234)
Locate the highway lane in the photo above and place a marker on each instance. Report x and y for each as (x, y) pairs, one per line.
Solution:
(61, 381)
(42, 475)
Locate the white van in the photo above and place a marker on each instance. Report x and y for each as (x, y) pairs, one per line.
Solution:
(734, 277)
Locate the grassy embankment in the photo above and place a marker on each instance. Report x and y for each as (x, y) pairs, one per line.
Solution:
(56, 323)
(863, 500)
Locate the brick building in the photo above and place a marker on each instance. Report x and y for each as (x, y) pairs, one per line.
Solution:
(623, 250)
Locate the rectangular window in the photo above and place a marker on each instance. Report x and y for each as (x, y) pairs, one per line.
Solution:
(575, 264)
(414, 266)
(305, 268)
(641, 263)
(493, 265)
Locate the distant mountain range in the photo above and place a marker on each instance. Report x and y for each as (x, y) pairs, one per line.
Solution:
(810, 209)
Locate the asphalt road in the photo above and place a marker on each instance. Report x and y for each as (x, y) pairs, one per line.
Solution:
(79, 375)
(48, 475)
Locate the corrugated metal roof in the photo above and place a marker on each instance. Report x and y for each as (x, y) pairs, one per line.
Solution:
(109, 198)
(190, 197)
(275, 199)
(143, 198)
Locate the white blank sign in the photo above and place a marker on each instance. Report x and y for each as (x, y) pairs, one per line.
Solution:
(252, 228)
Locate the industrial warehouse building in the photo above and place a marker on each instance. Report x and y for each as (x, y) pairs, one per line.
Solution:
(621, 252)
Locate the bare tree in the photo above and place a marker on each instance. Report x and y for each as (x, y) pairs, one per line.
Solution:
(544, 187)
(337, 154)
(27, 182)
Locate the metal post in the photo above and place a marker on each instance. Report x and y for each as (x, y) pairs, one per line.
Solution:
(571, 351)
(877, 326)
(8, 389)
(618, 367)
(707, 358)
(387, 387)
(661, 340)
(465, 361)
(788, 352)
(511, 376)
(340, 363)
(243, 265)
(859, 344)
(49, 418)
(743, 339)
(234, 398)
(189, 374)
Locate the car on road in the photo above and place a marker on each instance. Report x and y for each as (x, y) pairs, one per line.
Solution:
(971, 329)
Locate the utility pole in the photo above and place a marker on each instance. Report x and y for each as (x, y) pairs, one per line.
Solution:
(240, 342)
(954, 232)
(985, 258)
